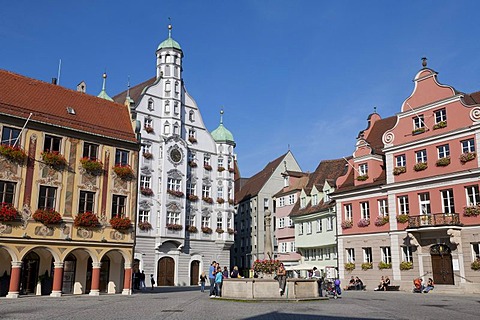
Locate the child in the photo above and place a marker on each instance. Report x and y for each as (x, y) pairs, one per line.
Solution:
(203, 278)
(152, 281)
(218, 282)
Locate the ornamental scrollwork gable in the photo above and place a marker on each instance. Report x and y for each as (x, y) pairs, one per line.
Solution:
(146, 171)
(120, 189)
(175, 174)
(174, 207)
(388, 138)
(475, 114)
(206, 212)
(145, 205)
(9, 170)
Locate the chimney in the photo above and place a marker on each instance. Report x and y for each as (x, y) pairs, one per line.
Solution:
(82, 87)
(54, 81)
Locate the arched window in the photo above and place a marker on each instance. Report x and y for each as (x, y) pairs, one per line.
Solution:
(166, 128)
(150, 104)
(167, 70)
(167, 106)
(191, 116)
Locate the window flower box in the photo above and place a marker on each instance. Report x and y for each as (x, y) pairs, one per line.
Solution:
(144, 225)
(173, 226)
(475, 265)
(440, 125)
(349, 266)
(146, 191)
(420, 166)
(362, 223)
(92, 166)
(231, 202)
(192, 229)
(362, 178)
(192, 139)
(220, 169)
(219, 230)
(206, 230)
(467, 156)
(406, 265)
(383, 265)
(443, 162)
(418, 131)
(231, 170)
(399, 170)
(8, 212)
(266, 266)
(13, 154)
(47, 216)
(192, 197)
(381, 221)
(402, 218)
(54, 159)
(471, 211)
(86, 220)
(149, 129)
(192, 164)
(148, 155)
(120, 223)
(220, 200)
(207, 200)
(346, 224)
(207, 167)
(230, 231)
(367, 266)
(124, 172)
(175, 193)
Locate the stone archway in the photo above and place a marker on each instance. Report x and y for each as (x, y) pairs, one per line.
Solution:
(5, 271)
(166, 272)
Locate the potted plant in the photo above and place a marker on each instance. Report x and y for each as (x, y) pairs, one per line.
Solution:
(220, 200)
(174, 226)
(219, 230)
(349, 266)
(467, 156)
(346, 224)
(443, 162)
(92, 166)
(440, 125)
(207, 167)
(207, 200)
(54, 159)
(149, 129)
(146, 191)
(175, 193)
(13, 154)
(147, 155)
(230, 231)
(267, 266)
(86, 220)
(120, 223)
(406, 265)
(471, 210)
(231, 170)
(192, 229)
(383, 265)
(8, 212)
(192, 164)
(380, 221)
(418, 131)
(192, 139)
(47, 216)
(399, 170)
(206, 230)
(402, 218)
(475, 265)
(144, 225)
(363, 223)
(220, 169)
(367, 265)
(362, 177)
(124, 172)
(420, 166)
(192, 197)
(230, 201)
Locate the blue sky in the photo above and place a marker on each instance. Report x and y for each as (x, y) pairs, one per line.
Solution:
(301, 74)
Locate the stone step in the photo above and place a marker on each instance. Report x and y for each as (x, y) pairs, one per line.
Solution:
(448, 289)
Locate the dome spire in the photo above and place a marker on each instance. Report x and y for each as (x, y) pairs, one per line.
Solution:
(221, 115)
(103, 94)
(169, 27)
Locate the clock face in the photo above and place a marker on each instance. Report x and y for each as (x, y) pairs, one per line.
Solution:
(176, 155)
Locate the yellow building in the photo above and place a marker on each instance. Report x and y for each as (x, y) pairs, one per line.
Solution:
(68, 190)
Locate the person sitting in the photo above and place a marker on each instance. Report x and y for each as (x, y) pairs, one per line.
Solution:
(381, 285)
(386, 283)
(418, 285)
(429, 286)
(351, 284)
(358, 284)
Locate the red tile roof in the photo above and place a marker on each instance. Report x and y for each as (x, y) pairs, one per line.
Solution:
(48, 103)
(296, 184)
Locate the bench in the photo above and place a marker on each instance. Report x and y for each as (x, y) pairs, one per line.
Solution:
(364, 287)
(393, 288)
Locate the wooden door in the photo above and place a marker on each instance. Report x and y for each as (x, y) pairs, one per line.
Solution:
(166, 272)
(442, 269)
(194, 272)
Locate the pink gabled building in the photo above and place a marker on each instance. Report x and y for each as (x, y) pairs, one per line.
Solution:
(409, 204)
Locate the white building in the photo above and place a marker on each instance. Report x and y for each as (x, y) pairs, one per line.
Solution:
(186, 178)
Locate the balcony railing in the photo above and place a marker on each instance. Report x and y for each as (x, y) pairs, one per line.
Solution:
(434, 220)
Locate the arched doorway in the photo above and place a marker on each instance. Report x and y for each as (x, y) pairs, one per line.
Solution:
(194, 270)
(442, 266)
(29, 273)
(69, 267)
(166, 272)
(104, 274)
(88, 281)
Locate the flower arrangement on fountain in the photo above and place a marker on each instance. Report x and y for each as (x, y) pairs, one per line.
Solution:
(362, 223)
(120, 223)
(207, 230)
(467, 156)
(346, 224)
(54, 159)
(92, 166)
(174, 226)
(8, 212)
(125, 172)
(47, 216)
(268, 266)
(14, 154)
(145, 225)
(381, 220)
(86, 220)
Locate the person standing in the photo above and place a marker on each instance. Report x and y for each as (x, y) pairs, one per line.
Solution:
(203, 279)
(152, 281)
(218, 282)
(211, 277)
(142, 281)
(225, 273)
(316, 275)
(282, 278)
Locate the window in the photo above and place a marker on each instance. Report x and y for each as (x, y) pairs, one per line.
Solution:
(206, 190)
(7, 192)
(407, 253)
(365, 210)
(90, 151)
(167, 106)
(205, 221)
(314, 254)
(292, 246)
(220, 192)
(118, 206)
(421, 156)
(307, 254)
(176, 129)
(266, 203)
(281, 202)
(386, 255)
(173, 217)
(334, 252)
(150, 104)
(191, 116)
(191, 188)
(476, 250)
(320, 254)
(327, 253)
(145, 182)
(174, 184)
(86, 202)
(443, 151)
(291, 199)
(146, 148)
(281, 223)
(363, 169)
(440, 115)
(168, 88)
(418, 122)
(314, 200)
(290, 222)
(143, 216)
(303, 202)
(52, 144)
(473, 198)
(367, 255)
(448, 204)
(219, 221)
(401, 160)
(383, 208)
(147, 123)
(166, 129)
(121, 157)
(329, 223)
(206, 160)
(403, 205)
(309, 227)
(326, 195)
(424, 201)
(350, 255)
(46, 199)
(468, 146)
(283, 247)
(10, 135)
(176, 109)
(319, 225)
(348, 211)
(300, 228)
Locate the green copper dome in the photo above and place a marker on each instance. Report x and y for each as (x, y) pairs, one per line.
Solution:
(169, 43)
(222, 134)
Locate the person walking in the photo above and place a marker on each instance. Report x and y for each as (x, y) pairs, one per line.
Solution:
(211, 277)
(203, 279)
(152, 281)
(282, 278)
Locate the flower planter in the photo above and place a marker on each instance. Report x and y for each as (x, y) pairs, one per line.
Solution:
(440, 125)
(192, 139)
(47, 216)
(207, 200)
(124, 172)
(207, 167)
(381, 221)
(349, 266)
(86, 220)
(146, 191)
(475, 265)
(144, 225)
(54, 160)
(230, 231)
(362, 178)
(367, 266)
(266, 266)
(471, 211)
(406, 265)
(8, 212)
(192, 197)
(13, 154)
(402, 218)
(362, 223)
(443, 162)
(176, 227)
(219, 230)
(149, 129)
(175, 193)
(192, 229)
(399, 170)
(121, 224)
(93, 167)
(220, 200)
(148, 155)
(383, 265)
(220, 169)
(192, 164)
(231, 170)
(206, 230)
(346, 224)
(468, 156)
(418, 131)
(420, 166)
(230, 201)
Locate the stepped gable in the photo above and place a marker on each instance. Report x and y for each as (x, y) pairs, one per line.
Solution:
(254, 184)
(135, 92)
(48, 103)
